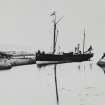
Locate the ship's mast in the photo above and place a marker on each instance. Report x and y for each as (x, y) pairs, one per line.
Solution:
(84, 41)
(54, 40)
(54, 37)
(55, 30)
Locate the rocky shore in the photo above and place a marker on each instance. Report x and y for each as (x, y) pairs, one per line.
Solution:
(9, 63)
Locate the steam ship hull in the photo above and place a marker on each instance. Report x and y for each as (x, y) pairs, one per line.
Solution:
(52, 58)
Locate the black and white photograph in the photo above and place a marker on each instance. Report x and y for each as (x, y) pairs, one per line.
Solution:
(52, 52)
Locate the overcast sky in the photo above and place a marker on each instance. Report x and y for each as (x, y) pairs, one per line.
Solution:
(27, 24)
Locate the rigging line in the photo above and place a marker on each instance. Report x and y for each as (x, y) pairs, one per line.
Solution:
(56, 38)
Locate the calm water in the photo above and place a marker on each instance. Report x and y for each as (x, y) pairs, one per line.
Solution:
(78, 84)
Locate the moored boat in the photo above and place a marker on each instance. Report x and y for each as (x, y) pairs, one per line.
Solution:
(51, 58)
(65, 57)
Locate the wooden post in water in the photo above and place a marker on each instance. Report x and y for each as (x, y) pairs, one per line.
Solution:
(57, 96)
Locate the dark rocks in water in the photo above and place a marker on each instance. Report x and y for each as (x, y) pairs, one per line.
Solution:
(5, 64)
(5, 67)
(101, 61)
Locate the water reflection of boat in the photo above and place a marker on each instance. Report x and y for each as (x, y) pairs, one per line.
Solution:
(50, 58)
